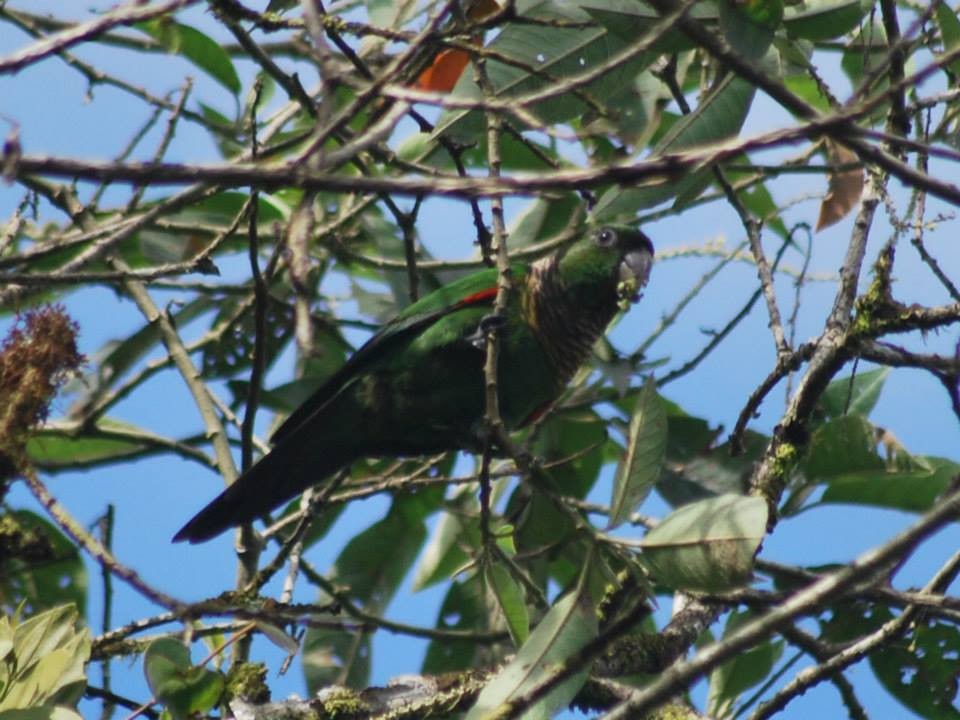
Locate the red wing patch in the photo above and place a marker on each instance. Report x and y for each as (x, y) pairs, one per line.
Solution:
(479, 297)
(537, 413)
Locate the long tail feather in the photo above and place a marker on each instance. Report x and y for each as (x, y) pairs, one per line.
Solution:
(285, 472)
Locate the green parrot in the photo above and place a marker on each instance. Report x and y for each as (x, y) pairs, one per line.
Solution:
(417, 386)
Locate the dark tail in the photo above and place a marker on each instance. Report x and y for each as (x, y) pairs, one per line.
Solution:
(286, 471)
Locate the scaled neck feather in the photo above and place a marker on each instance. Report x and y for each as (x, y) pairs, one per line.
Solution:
(566, 328)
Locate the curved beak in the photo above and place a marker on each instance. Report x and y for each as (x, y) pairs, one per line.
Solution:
(635, 271)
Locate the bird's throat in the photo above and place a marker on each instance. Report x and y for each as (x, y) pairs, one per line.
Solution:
(566, 327)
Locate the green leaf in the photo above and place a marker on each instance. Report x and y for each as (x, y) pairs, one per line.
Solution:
(630, 19)
(56, 448)
(848, 621)
(39, 681)
(744, 671)
(370, 575)
(949, 31)
(557, 54)
(336, 657)
(920, 669)
(845, 445)
(184, 688)
(45, 665)
(56, 712)
(510, 597)
(719, 116)
(463, 608)
(457, 531)
(822, 19)
(708, 545)
(45, 632)
(748, 30)
(115, 358)
(369, 569)
(60, 579)
(688, 437)
(234, 353)
(223, 207)
(864, 53)
(712, 470)
(545, 218)
(568, 626)
(858, 397)
(196, 47)
(228, 147)
(910, 490)
(809, 90)
(758, 200)
(577, 438)
(388, 14)
(6, 636)
(646, 447)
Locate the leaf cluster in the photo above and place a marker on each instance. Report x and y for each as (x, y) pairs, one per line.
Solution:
(326, 210)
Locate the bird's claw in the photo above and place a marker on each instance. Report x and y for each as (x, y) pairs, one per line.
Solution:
(527, 461)
(489, 324)
(492, 323)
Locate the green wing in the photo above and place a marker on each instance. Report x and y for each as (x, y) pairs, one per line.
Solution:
(474, 290)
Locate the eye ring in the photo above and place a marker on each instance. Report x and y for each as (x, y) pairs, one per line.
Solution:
(606, 237)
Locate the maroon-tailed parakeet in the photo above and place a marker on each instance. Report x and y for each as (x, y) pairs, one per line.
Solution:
(417, 386)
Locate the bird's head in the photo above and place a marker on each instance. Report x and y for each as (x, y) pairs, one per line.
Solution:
(611, 264)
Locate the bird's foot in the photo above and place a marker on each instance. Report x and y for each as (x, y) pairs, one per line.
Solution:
(489, 325)
(527, 461)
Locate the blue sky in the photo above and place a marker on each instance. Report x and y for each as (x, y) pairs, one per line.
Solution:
(50, 104)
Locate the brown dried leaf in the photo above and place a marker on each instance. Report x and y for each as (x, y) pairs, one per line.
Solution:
(846, 186)
(10, 155)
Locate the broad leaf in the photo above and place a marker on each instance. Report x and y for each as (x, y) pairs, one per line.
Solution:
(911, 490)
(856, 396)
(708, 545)
(184, 688)
(43, 663)
(920, 669)
(457, 531)
(369, 570)
(545, 218)
(846, 186)
(56, 448)
(845, 445)
(43, 582)
(646, 446)
(949, 31)
(822, 19)
(510, 597)
(741, 673)
(710, 471)
(196, 47)
(463, 608)
(719, 116)
(749, 27)
(569, 625)
(556, 54)
(630, 19)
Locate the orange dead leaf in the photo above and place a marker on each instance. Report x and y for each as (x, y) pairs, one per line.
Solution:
(845, 189)
(448, 64)
(444, 71)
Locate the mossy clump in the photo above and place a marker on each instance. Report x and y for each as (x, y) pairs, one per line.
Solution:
(248, 681)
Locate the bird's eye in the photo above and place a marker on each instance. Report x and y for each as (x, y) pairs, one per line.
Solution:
(606, 237)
